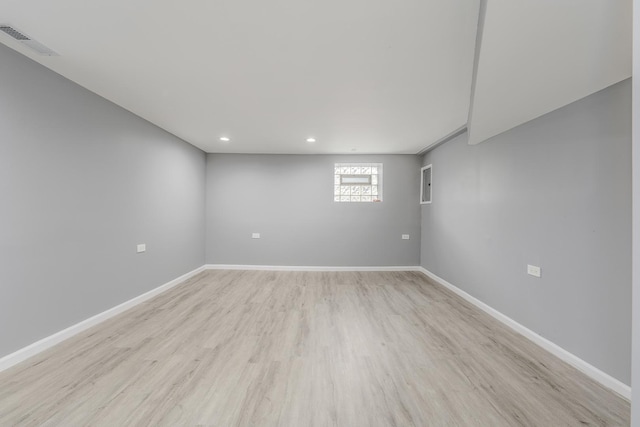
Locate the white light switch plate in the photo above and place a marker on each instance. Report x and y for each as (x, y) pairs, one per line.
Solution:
(141, 248)
(255, 235)
(405, 237)
(533, 270)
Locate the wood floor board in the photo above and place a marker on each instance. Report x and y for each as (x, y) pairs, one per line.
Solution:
(271, 348)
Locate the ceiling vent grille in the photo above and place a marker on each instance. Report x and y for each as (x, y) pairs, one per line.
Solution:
(27, 41)
(13, 32)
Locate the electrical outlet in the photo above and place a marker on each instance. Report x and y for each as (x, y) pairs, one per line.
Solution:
(255, 235)
(533, 270)
(141, 248)
(405, 237)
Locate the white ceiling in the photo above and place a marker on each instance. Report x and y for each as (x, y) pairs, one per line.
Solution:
(539, 55)
(363, 76)
(376, 76)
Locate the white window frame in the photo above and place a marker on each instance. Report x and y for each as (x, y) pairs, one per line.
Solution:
(354, 179)
(422, 171)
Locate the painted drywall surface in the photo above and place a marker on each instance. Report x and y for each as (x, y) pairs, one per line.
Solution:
(288, 199)
(555, 193)
(83, 181)
(635, 368)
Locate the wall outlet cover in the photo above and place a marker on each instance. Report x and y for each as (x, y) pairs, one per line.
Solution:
(255, 235)
(533, 270)
(141, 248)
(405, 237)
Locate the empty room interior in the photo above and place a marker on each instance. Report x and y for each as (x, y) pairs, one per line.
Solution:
(330, 213)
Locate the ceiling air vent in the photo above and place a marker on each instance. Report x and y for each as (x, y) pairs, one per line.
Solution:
(26, 40)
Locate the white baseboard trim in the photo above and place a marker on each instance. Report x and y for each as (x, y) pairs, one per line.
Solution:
(39, 346)
(307, 268)
(573, 360)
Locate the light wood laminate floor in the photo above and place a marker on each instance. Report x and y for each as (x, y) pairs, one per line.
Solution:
(258, 348)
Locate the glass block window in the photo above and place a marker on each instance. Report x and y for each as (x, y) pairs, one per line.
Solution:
(357, 182)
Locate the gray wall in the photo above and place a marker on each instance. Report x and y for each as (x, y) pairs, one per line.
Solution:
(554, 192)
(635, 381)
(289, 200)
(82, 181)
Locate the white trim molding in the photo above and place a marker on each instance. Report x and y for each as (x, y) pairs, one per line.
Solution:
(39, 346)
(570, 358)
(307, 268)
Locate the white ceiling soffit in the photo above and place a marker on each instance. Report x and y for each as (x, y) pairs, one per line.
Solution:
(539, 55)
(365, 76)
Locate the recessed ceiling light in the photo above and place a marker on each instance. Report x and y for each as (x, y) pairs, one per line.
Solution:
(225, 139)
(311, 140)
